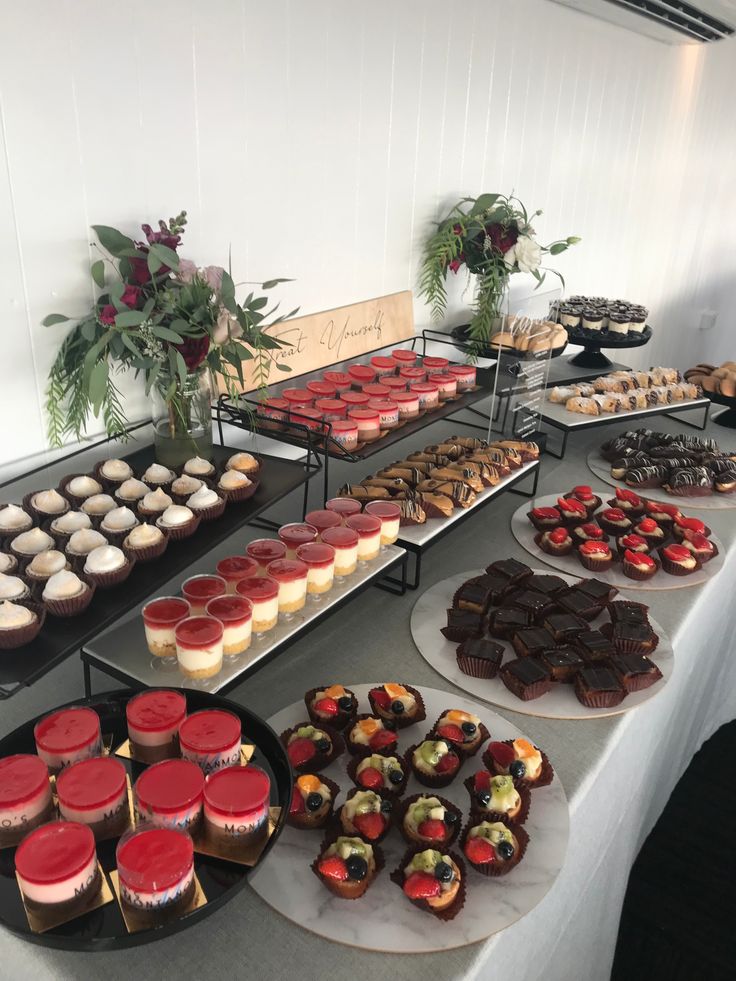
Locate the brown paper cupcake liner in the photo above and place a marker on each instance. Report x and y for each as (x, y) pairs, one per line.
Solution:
(146, 515)
(11, 570)
(341, 721)
(236, 495)
(592, 566)
(476, 667)
(20, 636)
(674, 569)
(445, 915)
(598, 699)
(180, 532)
(317, 763)
(552, 549)
(7, 535)
(41, 516)
(641, 575)
(394, 791)
(37, 582)
(481, 813)
(545, 778)
(454, 829)
(340, 828)
(355, 749)
(181, 472)
(305, 820)
(640, 682)
(214, 510)
(150, 552)
(249, 474)
(73, 605)
(116, 537)
(402, 721)
(614, 530)
(498, 868)
(339, 888)
(525, 693)
(630, 646)
(437, 780)
(74, 499)
(545, 525)
(679, 533)
(108, 580)
(711, 555)
(183, 498)
(76, 560)
(462, 751)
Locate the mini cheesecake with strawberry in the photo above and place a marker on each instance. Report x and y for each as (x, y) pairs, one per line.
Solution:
(663, 514)
(331, 704)
(589, 531)
(492, 848)
(585, 495)
(544, 519)
(638, 565)
(614, 521)
(572, 511)
(433, 881)
(366, 813)
(628, 502)
(683, 524)
(378, 772)
(496, 797)
(312, 801)
(555, 541)
(650, 530)
(399, 704)
(702, 548)
(464, 732)
(434, 762)
(370, 735)
(678, 560)
(347, 866)
(521, 760)
(311, 748)
(633, 543)
(595, 556)
(429, 820)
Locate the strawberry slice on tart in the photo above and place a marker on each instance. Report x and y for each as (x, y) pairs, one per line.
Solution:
(385, 773)
(434, 762)
(492, 847)
(400, 704)
(433, 880)
(311, 748)
(367, 814)
(370, 734)
(425, 819)
(521, 760)
(347, 865)
(463, 731)
(331, 704)
(312, 801)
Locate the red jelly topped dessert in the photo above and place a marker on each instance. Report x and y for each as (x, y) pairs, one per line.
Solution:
(595, 548)
(340, 379)
(237, 567)
(583, 492)
(66, 736)
(199, 590)
(211, 739)
(331, 409)
(265, 550)
(361, 374)
(591, 531)
(298, 397)
(678, 560)
(394, 383)
(558, 536)
(354, 400)
(344, 506)
(156, 870)
(634, 543)
(383, 366)
(95, 792)
(412, 375)
(263, 594)
(403, 356)
(236, 805)
(432, 365)
(170, 794)
(25, 796)
(235, 613)
(153, 720)
(638, 565)
(322, 389)
(57, 868)
(160, 618)
(321, 520)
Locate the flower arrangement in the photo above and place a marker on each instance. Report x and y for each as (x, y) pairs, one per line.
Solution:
(493, 237)
(163, 317)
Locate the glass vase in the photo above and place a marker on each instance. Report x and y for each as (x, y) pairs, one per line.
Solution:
(182, 424)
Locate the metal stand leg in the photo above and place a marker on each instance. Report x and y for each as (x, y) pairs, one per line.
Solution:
(563, 446)
(87, 679)
(398, 587)
(532, 492)
(692, 425)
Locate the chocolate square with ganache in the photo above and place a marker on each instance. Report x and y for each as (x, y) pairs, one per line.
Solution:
(635, 671)
(497, 586)
(562, 662)
(548, 585)
(510, 569)
(507, 620)
(526, 677)
(536, 604)
(599, 679)
(594, 647)
(601, 592)
(578, 604)
(564, 626)
(626, 611)
(632, 637)
(480, 647)
(532, 641)
(472, 595)
(462, 624)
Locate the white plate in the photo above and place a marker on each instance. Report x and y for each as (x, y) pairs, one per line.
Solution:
(428, 616)
(524, 532)
(383, 919)
(715, 502)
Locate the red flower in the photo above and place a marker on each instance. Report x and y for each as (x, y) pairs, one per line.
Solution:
(502, 238)
(106, 315)
(456, 263)
(141, 272)
(131, 296)
(194, 351)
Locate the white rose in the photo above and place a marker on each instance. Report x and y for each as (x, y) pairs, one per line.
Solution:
(220, 334)
(526, 254)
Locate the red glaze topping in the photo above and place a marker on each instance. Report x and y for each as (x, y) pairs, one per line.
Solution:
(383, 509)
(170, 786)
(354, 398)
(91, 783)
(361, 372)
(341, 537)
(209, 731)
(383, 405)
(154, 710)
(298, 396)
(237, 567)
(691, 524)
(22, 777)
(403, 355)
(203, 587)
(343, 506)
(316, 554)
(365, 525)
(393, 383)
(287, 570)
(337, 378)
(331, 408)
(344, 426)
(155, 859)
(237, 790)
(436, 363)
(614, 514)
(276, 404)
(595, 548)
(558, 536)
(376, 391)
(637, 558)
(67, 729)
(230, 609)
(439, 379)
(634, 541)
(464, 370)
(387, 364)
(545, 514)
(401, 397)
(198, 632)
(297, 534)
(258, 589)
(677, 553)
(364, 415)
(424, 388)
(583, 492)
(265, 550)
(571, 505)
(323, 519)
(307, 416)
(654, 507)
(701, 543)
(592, 530)
(165, 611)
(322, 389)
(629, 496)
(647, 525)
(413, 374)
(55, 852)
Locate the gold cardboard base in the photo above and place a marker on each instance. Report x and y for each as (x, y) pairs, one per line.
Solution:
(133, 920)
(125, 751)
(246, 854)
(40, 922)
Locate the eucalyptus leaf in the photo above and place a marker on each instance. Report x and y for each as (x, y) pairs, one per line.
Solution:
(89, 330)
(54, 318)
(181, 366)
(98, 385)
(129, 318)
(113, 240)
(97, 270)
(165, 334)
(166, 255)
(153, 262)
(270, 283)
(557, 248)
(227, 288)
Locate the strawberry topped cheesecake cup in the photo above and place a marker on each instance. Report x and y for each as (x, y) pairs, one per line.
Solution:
(296, 534)
(153, 719)
(25, 797)
(160, 618)
(291, 576)
(236, 567)
(199, 590)
(389, 515)
(236, 803)
(156, 872)
(57, 870)
(170, 794)
(320, 562)
(235, 613)
(211, 739)
(264, 551)
(199, 647)
(345, 541)
(67, 736)
(263, 594)
(95, 792)
(368, 529)
(323, 519)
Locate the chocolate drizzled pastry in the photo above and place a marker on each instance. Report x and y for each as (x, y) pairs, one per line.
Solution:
(412, 513)
(690, 481)
(361, 493)
(647, 476)
(459, 493)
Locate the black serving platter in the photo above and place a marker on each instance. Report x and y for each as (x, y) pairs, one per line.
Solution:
(103, 928)
(593, 340)
(727, 418)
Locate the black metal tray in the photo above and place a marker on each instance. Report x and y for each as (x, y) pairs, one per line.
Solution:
(103, 928)
(461, 334)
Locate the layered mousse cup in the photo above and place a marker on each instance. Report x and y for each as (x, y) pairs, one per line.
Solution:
(263, 594)
(322, 390)
(408, 403)
(211, 739)
(354, 400)
(361, 374)
(383, 366)
(340, 379)
(345, 433)
(388, 412)
(235, 613)
(368, 529)
(160, 618)
(236, 806)
(298, 398)
(67, 736)
(153, 720)
(264, 551)
(169, 795)
(199, 590)
(320, 562)
(95, 792)
(465, 374)
(274, 412)
(413, 376)
(236, 567)
(344, 506)
(435, 366)
(25, 797)
(428, 394)
(296, 534)
(447, 385)
(376, 391)
(324, 519)
(331, 409)
(368, 422)
(404, 357)
(57, 870)
(394, 383)
(199, 647)
(291, 576)
(345, 543)
(156, 872)
(390, 517)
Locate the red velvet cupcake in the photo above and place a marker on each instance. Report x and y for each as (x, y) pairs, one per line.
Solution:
(595, 556)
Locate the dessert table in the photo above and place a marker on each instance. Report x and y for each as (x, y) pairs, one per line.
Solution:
(617, 772)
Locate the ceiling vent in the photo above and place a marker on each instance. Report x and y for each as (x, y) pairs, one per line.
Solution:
(670, 21)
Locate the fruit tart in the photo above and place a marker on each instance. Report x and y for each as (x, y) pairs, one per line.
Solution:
(678, 560)
(434, 762)
(573, 512)
(388, 774)
(614, 521)
(331, 704)
(545, 519)
(588, 532)
(632, 543)
(702, 548)
(399, 704)
(465, 733)
(369, 735)
(433, 881)
(650, 531)
(312, 801)
(595, 556)
(492, 848)
(312, 748)
(637, 565)
(367, 814)
(347, 866)
(683, 525)
(497, 798)
(556, 541)
(428, 820)
(587, 498)
(627, 501)
(520, 759)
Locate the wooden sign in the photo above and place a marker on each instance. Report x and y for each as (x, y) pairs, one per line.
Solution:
(321, 339)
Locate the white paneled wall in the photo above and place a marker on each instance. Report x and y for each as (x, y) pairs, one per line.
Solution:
(320, 138)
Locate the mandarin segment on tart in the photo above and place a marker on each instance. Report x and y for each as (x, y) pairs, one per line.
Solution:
(370, 734)
(332, 704)
(463, 731)
(312, 801)
(433, 881)
(521, 760)
(347, 866)
(399, 704)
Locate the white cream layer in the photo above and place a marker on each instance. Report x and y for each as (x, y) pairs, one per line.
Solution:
(292, 592)
(236, 824)
(157, 737)
(389, 530)
(265, 610)
(181, 820)
(12, 817)
(368, 545)
(321, 575)
(58, 761)
(158, 898)
(160, 636)
(345, 558)
(210, 762)
(60, 892)
(199, 658)
(239, 634)
(92, 815)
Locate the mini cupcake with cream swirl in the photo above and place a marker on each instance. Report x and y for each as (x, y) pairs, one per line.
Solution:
(13, 520)
(158, 476)
(66, 594)
(81, 543)
(107, 566)
(183, 487)
(76, 488)
(206, 503)
(198, 467)
(178, 521)
(113, 473)
(44, 565)
(63, 527)
(29, 544)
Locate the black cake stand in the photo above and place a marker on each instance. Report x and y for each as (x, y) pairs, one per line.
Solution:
(728, 417)
(594, 340)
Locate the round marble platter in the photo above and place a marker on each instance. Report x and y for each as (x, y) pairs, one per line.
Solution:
(383, 919)
(428, 616)
(713, 502)
(524, 531)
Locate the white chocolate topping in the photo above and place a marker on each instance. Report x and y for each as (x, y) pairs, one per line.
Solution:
(11, 587)
(233, 479)
(12, 616)
(186, 485)
(12, 517)
(119, 519)
(47, 563)
(157, 500)
(71, 521)
(144, 535)
(176, 515)
(197, 466)
(99, 504)
(106, 558)
(132, 489)
(116, 470)
(205, 497)
(49, 501)
(83, 541)
(63, 585)
(156, 474)
(84, 486)
(32, 542)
